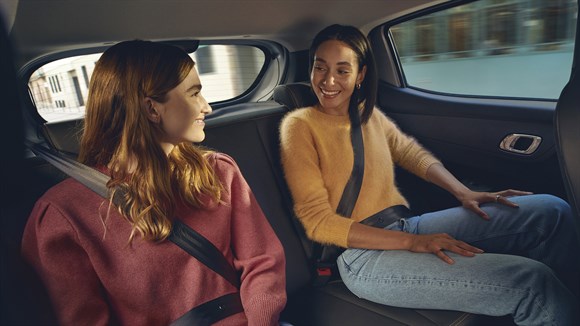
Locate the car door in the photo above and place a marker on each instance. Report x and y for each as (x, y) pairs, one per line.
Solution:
(477, 84)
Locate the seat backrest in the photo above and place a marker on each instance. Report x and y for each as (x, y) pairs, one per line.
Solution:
(566, 122)
(295, 95)
(23, 300)
(567, 126)
(253, 143)
(64, 136)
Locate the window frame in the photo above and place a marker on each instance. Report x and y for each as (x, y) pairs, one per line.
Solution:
(255, 92)
(383, 43)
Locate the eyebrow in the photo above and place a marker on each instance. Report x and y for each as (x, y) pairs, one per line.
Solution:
(194, 87)
(342, 63)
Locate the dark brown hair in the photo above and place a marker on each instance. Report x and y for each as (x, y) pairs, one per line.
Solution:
(354, 39)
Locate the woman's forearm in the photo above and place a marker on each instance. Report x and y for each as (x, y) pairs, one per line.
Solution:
(367, 237)
(440, 176)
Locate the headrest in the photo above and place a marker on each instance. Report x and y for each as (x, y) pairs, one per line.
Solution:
(64, 136)
(295, 95)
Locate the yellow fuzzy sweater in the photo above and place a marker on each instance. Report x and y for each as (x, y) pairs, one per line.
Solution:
(317, 158)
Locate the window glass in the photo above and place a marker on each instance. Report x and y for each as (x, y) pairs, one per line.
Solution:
(60, 88)
(507, 48)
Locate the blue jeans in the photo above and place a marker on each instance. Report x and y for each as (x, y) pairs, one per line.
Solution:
(530, 269)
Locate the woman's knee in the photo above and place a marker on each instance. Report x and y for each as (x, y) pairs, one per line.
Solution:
(526, 275)
(545, 203)
(544, 208)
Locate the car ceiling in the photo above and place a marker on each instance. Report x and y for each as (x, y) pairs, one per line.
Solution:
(44, 26)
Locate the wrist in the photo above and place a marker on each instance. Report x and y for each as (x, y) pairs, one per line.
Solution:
(407, 240)
(461, 192)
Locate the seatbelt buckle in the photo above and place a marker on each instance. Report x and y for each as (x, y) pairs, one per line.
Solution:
(323, 274)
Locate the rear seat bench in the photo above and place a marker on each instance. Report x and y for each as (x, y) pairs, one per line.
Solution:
(249, 133)
(253, 142)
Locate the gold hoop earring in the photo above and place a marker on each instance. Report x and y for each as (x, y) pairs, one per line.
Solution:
(357, 86)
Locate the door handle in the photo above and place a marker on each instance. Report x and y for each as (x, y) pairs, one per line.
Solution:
(520, 143)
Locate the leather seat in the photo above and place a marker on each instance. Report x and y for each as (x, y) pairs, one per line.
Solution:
(295, 95)
(567, 123)
(23, 300)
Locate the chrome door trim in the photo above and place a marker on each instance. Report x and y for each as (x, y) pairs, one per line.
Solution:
(508, 143)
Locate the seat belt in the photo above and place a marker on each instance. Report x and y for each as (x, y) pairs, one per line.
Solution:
(352, 188)
(182, 235)
(325, 255)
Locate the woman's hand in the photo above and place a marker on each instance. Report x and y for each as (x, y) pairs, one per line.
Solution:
(472, 199)
(438, 243)
(439, 175)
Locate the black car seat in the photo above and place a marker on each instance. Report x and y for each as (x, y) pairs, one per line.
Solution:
(295, 95)
(567, 128)
(23, 300)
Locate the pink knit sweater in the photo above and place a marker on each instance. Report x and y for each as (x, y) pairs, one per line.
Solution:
(95, 277)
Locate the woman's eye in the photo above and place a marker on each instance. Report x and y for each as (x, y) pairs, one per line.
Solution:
(319, 68)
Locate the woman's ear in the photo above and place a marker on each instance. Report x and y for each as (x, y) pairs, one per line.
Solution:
(361, 75)
(152, 113)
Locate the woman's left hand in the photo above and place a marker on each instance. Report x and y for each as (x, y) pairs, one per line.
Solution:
(472, 199)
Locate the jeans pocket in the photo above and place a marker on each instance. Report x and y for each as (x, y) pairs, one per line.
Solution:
(355, 259)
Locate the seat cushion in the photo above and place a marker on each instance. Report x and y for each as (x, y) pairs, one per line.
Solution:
(334, 304)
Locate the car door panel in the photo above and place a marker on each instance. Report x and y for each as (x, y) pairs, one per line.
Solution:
(466, 133)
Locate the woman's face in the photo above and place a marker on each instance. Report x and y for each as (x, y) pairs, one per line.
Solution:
(182, 116)
(334, 76)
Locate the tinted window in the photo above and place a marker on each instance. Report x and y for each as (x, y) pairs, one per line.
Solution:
(508, 48)
(60, 88)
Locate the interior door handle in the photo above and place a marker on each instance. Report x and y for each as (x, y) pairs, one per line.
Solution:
(520, 143)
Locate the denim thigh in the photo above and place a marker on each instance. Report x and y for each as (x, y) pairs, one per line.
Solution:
(510, 278)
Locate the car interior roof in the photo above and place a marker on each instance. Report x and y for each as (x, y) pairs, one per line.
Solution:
(104, 22)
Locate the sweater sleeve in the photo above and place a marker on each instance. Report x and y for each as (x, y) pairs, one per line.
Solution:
(258, 253)
(311, 199)
(406, 151)
(51, 246)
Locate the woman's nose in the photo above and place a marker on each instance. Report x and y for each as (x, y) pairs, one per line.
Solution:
(328, 79)
(206, 108)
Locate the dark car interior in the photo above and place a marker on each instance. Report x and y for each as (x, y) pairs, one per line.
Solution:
(566, 121)
(464, 132)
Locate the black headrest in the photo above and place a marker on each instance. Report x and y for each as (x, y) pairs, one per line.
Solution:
(295, 95)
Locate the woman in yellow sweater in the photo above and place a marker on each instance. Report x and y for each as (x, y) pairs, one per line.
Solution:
(527, 270)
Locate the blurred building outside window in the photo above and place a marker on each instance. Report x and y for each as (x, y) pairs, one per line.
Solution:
(505, 48)
(59, 89)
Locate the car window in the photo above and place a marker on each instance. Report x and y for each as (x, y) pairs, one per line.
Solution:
(60, 88)
(500, 48)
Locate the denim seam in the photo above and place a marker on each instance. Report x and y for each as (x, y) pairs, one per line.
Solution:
(386, 280)
(499, 235)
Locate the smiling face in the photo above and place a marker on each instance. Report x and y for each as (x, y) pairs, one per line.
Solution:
(182, 116)
(335, 73)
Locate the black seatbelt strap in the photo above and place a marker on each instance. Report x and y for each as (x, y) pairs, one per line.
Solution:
(183, 236)
(91, 178)
(352, 188)
(199, 247)
(325, 255)
(212, 311)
